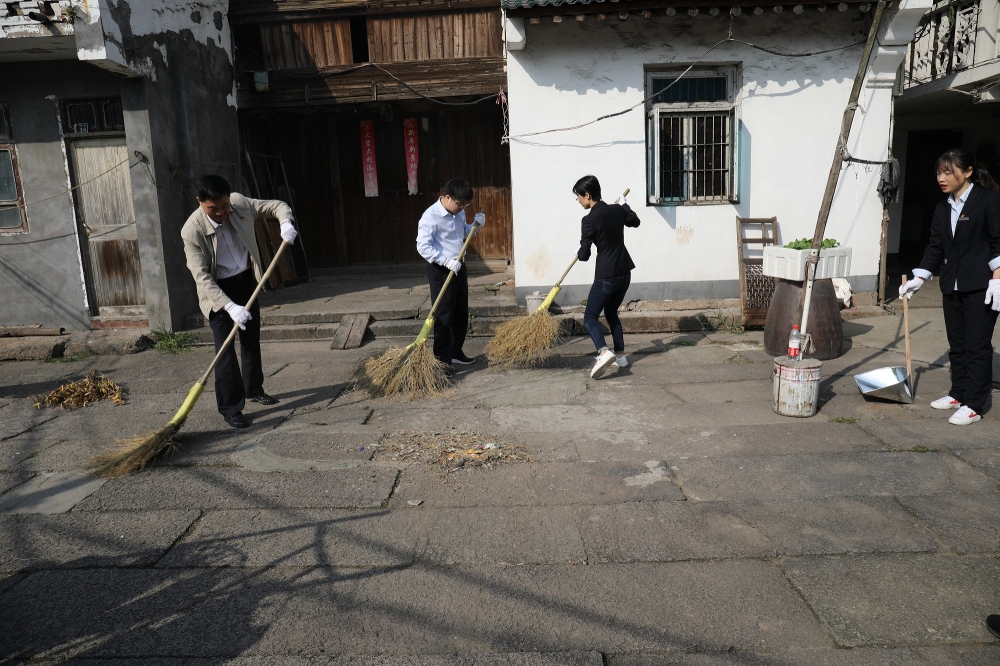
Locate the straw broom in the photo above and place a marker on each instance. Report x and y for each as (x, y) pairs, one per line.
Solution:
(411, 371)
(527, 341)
(132, 455)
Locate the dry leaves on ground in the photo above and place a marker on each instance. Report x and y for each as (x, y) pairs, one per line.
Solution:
(453, 448)
(92, 388)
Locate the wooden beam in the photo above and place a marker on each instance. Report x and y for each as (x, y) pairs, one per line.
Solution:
(637, 6)
(257, 11)
(457, 77)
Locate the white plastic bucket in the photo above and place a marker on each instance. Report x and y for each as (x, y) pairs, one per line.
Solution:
(796, 386)
(533, 301)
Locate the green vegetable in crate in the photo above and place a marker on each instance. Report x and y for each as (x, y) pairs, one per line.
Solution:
(806, 243)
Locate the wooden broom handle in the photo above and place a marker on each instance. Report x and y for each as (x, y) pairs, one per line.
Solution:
(253, 297)
(451, 275)
(906, 336)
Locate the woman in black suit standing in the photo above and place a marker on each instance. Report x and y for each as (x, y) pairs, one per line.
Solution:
(604, 226)
(965, 246)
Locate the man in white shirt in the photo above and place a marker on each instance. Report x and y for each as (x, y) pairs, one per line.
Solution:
(220, 245)
(440, 234)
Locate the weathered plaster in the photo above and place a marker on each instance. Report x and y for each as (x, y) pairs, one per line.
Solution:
(789, 109)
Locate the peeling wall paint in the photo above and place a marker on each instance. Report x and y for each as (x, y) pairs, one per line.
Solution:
(789, 109)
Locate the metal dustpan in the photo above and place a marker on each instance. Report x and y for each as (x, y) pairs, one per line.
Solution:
(890, 383)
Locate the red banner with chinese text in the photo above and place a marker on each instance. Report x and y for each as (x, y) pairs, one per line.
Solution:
(412, 146)
(368, 158)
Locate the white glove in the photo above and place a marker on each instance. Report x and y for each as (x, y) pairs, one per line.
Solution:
(239, 314)
(910, 288)
(480, 219)
(453, 265)
(622, 201)
(993, 294)
(288, 232)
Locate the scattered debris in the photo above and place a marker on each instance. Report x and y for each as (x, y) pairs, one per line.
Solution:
(451, 449)
(92, 388)
(414, 502)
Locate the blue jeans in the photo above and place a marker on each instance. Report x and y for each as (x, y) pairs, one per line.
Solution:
(607, 294)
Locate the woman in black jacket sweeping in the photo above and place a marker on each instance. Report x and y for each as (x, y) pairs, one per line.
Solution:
(604, 226)
(965, 245)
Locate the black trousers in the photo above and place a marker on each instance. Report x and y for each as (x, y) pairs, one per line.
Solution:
(231, 386)
(451, 320)
(970, 324)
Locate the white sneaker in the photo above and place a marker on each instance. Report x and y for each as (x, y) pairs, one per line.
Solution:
(604, 361)
(964, 416)
(946, 402)
(622, 361)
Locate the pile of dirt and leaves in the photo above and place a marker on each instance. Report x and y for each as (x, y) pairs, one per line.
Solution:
(449, 449)
(92, 388)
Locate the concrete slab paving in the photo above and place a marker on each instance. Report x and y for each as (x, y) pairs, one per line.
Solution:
(863, 656)
(744, 604)
(553, 484)
(51, 492)
(932, 433)
(223, 488)
(503, 535)
(987, 460)
(667, 531)
(86, 540)
(299, 538)
(836, 525)
(829, 475)
(930, 599)
(790, 437)
(9, 480)
(967, 523)
(535, 387)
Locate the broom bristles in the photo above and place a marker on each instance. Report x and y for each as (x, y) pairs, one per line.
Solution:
(132, 455)
(411, 372)
(523, 342)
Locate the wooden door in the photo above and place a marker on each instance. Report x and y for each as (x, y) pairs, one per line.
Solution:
(107, 218)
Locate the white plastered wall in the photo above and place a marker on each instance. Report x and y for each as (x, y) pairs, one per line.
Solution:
(790, 111)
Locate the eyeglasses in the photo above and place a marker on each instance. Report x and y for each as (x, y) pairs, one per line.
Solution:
(461, 204)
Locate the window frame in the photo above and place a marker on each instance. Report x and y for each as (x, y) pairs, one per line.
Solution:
(656, 111)
(7, 143)
(69, 131)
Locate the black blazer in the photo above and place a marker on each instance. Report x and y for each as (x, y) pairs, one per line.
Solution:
(967, 254)
(605, 226)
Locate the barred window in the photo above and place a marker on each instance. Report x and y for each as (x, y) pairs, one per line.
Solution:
(692, 137)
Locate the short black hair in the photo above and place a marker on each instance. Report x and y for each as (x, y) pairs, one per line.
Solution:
(588, 185)
(212, 187)
(458, 189)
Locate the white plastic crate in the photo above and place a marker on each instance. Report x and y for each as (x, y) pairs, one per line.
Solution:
(789, 264)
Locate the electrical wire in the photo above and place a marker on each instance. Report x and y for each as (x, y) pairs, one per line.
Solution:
(728, 38)
(134, 155)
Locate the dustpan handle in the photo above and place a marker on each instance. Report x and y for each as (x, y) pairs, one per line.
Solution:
(906, 337)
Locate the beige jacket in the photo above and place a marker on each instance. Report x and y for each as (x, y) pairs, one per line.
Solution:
(200, 243)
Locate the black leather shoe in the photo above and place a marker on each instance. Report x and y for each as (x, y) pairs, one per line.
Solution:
(237, 420)
(264, 399)
(462, 359)
(449, 371)
(993, 624)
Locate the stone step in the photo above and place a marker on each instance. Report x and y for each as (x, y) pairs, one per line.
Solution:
(673, 321)
(276, 317)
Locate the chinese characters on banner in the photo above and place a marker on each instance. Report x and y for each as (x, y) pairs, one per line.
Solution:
(412, 147)
(368, 158)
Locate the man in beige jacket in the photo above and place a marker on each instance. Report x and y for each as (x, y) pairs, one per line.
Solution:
(220, 246)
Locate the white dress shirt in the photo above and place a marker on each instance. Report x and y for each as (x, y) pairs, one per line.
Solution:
(231, 255)
(440, 234)
(956, 212)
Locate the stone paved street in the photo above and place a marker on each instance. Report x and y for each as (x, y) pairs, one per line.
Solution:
(661, 515)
